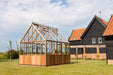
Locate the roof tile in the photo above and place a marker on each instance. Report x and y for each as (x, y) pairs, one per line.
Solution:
(103, 21)
(77, 33)
(109, 30)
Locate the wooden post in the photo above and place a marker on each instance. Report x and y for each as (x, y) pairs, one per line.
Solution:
(65, 48)
(84, 52)
(60, 48)
(68, 48)
(77, 52)
(46, 48)
(57, 46)
(36, 49)
(98, 52)
(40, 49)
(32, 40)
(28, 44)
(53, 47)
(26, 48)
(49, 47)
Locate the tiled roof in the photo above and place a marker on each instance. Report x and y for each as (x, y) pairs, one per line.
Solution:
(103, 21)
(109, 30)
(77, 33)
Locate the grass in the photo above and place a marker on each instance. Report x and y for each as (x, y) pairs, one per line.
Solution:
(77, 67)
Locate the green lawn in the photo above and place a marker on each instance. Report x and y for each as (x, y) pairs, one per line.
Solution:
(77, 67)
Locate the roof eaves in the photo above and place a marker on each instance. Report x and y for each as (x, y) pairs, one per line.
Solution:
(71, 35)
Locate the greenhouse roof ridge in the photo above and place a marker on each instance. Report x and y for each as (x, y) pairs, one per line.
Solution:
(45, 26)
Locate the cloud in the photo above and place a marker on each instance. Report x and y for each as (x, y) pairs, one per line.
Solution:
(17, 15)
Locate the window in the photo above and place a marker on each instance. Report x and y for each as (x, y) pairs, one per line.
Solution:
(74, 38)
(93, 40)
(99, 40)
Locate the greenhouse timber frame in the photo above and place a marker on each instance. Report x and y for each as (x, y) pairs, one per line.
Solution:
(44, 46)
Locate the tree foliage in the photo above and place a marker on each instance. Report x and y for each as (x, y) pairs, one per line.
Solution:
(14, 54)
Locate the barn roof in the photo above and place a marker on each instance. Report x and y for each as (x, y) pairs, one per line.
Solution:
(77, 33)
(101, 21)
(109, 29)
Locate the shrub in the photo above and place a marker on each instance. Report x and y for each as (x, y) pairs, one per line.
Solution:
(3, 55)
(17, 52)
(14, 54)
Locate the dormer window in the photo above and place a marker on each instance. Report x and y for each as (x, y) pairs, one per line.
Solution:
(74, 38)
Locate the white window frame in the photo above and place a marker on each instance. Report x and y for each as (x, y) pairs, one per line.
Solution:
(100, 38)
(93, 41)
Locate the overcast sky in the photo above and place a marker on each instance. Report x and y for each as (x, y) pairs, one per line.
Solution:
(17, 15)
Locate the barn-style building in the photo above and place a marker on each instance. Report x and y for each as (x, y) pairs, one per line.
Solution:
(44, 46)
(108, 35)
(90, 44)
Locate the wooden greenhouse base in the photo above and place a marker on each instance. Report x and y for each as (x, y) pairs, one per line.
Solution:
(44, 60)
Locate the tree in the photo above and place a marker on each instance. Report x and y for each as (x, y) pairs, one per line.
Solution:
(14, 54)
(10, 42)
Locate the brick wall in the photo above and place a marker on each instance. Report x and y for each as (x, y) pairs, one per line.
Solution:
(90, 55)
